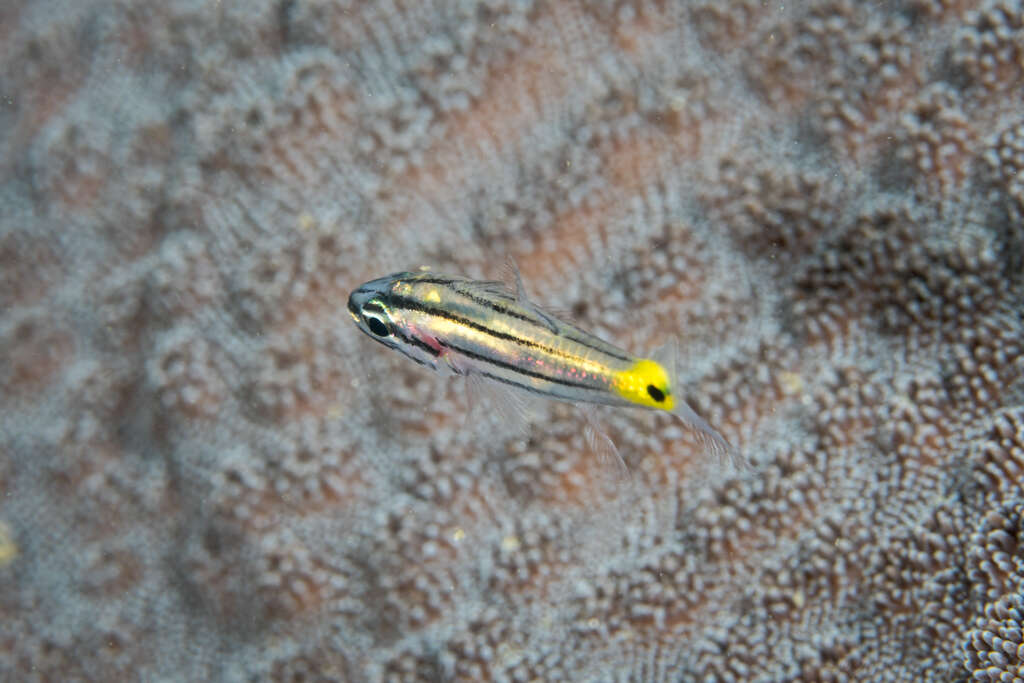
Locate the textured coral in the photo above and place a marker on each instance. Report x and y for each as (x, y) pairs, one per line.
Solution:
(207, 473)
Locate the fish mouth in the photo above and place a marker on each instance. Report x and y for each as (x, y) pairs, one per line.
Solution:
(353, 307)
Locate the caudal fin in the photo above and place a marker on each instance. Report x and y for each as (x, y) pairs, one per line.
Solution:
(709, 437)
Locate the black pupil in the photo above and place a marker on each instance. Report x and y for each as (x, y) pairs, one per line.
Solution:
(377, 327)
(655, 393)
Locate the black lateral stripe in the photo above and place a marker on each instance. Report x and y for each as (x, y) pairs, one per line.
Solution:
(518, 370)
(390, 346)
(605, 351)
(416, 342)
(505, 380)
(499, 308)
(416, 305)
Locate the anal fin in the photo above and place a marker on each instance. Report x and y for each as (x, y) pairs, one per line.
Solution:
(510, 405)
(601, 444)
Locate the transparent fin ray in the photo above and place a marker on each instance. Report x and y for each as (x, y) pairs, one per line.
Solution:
(491, 287)
(474, 391)
(549, 318)
(601, 444)
(512, 407)
(709, 437)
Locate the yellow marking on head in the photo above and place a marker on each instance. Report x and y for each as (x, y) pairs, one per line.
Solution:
(432, 296)
(644, 384)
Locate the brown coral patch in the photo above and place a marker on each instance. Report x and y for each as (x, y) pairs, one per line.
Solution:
(47, 87)
(91, 653)
(29, 269)
(938, 139)
(322, 117)
(991, 47)
(993, 648)
(76, 174)
(997, 460)
(777, 214)
(32, 352)
(723, 28)
(185, 376)
(316, 663)
(7, 470)
(513, 93)
(111, 572)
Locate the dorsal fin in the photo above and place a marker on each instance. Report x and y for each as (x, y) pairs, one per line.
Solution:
(549, 316)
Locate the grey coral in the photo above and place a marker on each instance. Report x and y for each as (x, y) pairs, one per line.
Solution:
(206, 473)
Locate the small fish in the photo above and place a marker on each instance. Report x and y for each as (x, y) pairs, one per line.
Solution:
(486, 328)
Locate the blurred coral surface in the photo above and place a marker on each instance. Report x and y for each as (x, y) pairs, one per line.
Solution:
(207, 473)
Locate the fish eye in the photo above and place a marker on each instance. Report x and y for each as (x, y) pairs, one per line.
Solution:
(377, 327)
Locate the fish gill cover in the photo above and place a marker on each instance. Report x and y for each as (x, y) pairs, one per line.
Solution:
(206, 473)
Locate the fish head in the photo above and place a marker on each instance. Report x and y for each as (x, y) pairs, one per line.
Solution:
(369, 304)
(375, 313)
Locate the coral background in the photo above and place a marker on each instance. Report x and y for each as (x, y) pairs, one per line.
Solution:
(207, 473)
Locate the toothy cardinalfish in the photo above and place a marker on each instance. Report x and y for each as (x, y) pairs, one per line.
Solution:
(488, 329)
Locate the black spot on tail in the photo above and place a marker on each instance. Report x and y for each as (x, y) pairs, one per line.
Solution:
(655, 393)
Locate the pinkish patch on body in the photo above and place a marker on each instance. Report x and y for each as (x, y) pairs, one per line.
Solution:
(430, 341)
